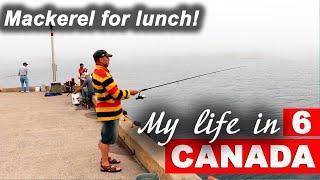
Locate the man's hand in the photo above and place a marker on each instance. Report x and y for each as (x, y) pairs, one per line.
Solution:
(134, 92)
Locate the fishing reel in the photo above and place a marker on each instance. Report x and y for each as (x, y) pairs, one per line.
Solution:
(140, 96)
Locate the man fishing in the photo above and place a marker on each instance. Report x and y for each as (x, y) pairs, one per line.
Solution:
(108, 107)
(23, 73)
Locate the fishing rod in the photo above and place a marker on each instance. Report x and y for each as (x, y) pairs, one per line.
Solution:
(9, 76)
(188, 78)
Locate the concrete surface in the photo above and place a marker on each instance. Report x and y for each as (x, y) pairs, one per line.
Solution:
(148, 152)
(48, 138)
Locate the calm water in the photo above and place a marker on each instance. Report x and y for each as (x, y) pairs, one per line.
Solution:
(264, 84)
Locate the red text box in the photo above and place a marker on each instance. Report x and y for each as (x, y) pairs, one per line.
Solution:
(301, 122)
(199, 156)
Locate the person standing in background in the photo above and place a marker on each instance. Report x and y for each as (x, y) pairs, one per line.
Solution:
(23, 73)
(81, 71)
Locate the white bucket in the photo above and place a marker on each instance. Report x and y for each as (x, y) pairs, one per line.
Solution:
(37, 89)
(75, 98)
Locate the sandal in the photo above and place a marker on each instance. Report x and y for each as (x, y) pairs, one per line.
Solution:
(110, 169)
(112, 161)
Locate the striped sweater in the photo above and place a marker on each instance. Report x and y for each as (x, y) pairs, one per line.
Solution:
(108, 94)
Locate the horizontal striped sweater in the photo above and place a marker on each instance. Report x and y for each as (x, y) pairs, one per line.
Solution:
(109, 96)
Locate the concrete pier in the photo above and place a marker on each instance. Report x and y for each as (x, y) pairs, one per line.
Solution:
(48, 138)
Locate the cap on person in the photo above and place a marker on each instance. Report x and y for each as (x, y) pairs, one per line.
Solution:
(100, 53)
(25, 63)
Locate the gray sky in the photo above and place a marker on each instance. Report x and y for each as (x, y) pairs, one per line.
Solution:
(245, 28)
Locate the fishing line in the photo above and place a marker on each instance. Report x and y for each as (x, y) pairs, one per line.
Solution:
(188, 78)
(8, 76)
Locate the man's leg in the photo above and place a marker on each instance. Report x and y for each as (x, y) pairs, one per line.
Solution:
(82, 98)
(27, 83)
(22, 83)
(108, 136)
(104, 148)
(85, 93)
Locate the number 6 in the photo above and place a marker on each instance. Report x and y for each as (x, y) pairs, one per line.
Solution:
(297, 120)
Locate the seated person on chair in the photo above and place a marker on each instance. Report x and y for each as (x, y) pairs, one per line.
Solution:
(70, 85)
(86, 89)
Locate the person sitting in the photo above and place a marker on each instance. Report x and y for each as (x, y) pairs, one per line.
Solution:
(86, 89)
(70, 85)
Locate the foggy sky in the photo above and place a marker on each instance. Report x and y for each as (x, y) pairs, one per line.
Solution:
(243, 28)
